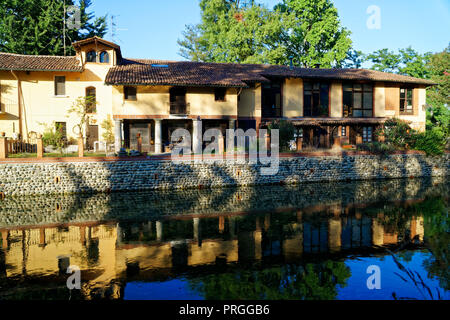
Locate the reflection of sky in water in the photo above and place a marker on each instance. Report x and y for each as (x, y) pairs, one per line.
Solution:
(170, 290)
(356, 288)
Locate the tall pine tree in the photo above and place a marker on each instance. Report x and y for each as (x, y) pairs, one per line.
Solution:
(36, 26)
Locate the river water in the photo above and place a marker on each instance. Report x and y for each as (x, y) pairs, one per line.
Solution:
(348, 240)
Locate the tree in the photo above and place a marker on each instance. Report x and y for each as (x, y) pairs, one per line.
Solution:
(108, 134)
(306, 31)
(36, 26)
(81, 108)
(315, 35)
(384, 60)
(233, 31)
(354, 59)
(407, 62)
(438, 97)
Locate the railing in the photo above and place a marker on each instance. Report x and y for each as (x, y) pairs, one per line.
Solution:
(180, 109)
(18, 146)
(10, 107)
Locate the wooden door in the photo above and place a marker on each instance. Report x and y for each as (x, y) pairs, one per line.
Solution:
(92, 136)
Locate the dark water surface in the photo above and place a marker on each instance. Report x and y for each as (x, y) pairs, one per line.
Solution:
(313, 241)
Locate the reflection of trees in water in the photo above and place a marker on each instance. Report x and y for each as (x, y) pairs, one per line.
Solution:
(434, 211)
(437, 235)
(313, 281)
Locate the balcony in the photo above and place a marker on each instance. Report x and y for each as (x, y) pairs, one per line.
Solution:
(179, 108)
(9, 107)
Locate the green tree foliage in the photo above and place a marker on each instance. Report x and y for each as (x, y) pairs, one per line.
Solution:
(406, 62)
(399, 136)
(36, 26)
(108, 134)
(314, 33)
(438, 97)
(354, 60)
(312, 281)
(286, 131)
(81, 108)
(306, 31)
(53, 136)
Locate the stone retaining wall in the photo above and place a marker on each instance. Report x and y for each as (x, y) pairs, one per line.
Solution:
(38, 178)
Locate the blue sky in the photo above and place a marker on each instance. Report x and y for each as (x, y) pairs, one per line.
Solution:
(150, 28)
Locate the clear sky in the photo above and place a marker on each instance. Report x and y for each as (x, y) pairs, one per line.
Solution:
(151, 28)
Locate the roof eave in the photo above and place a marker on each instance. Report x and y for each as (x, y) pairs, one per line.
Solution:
(41, 70)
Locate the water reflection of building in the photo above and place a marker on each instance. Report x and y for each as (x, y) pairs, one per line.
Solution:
(157, 250)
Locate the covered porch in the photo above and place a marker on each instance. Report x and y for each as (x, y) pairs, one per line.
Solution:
(153, 135)
(328, 133)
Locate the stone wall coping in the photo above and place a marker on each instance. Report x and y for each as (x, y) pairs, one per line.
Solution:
(168, 157)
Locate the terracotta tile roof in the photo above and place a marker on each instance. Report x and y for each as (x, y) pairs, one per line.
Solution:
(19, 62)
(185, 73)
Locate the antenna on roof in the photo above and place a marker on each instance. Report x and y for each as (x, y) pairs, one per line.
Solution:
(114, 28)
(64, 28)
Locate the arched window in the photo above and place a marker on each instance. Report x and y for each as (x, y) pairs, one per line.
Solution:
(104, 57)
(91, 56)
(91, 98)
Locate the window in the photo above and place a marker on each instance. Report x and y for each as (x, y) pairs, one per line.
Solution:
(406, 101)
(91, 97)
(358, 101)
(104, 57)
(220, 94)
(316, 99)
(60, 86)
(178, 105)
(62, 128)
(130, 93)
(367, 134)
(271, 100)
(91, 56)
(344, 131)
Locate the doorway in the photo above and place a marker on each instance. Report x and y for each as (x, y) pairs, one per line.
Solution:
(92, 136)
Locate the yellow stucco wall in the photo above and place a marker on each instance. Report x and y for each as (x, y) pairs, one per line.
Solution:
(379, 106)
(155, 101)
(249, 105)
(150, 101)
(293, 98)
(336, 108)
(202, 102)
(40, 106)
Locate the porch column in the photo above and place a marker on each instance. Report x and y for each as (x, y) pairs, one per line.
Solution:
(159, 231)
(232, 124)
(118, 135)
(158, 136)
(197, 137)
(3, 148)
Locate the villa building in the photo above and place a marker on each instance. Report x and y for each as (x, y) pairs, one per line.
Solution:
(153, 98)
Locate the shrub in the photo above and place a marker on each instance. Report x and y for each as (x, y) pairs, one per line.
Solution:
(287, 132)
(53, 136)
(108, 134)
(398, 134)
(432, 142)
(376, 147)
